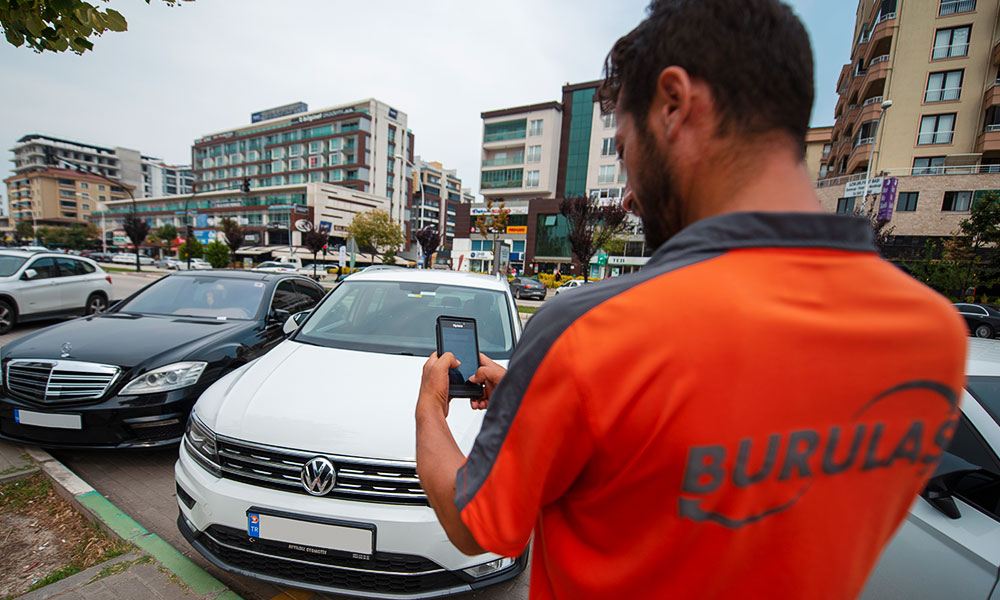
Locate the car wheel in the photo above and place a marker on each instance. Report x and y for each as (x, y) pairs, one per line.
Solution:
(96, 304)
(7, 317)
(984, 331)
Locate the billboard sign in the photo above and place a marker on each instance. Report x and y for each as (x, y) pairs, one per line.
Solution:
(279, 111)
(888, 199)
(854, 189)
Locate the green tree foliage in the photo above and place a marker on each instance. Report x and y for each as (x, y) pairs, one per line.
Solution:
(51, 236)
(59, 25)
(377, 234)
(24, 231)
(217, 254)
(192, 246)
(166, 234)
(80, 236)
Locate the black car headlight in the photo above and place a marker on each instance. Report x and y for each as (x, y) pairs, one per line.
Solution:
(200, 442)
(170, 377)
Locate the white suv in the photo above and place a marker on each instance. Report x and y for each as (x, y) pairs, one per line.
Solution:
(299, 467)
(38, 285)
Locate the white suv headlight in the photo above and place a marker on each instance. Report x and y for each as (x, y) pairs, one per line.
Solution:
(200, 442)
(164, 379)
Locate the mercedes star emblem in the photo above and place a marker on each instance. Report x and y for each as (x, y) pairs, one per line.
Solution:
(66, 348)
(318, 476)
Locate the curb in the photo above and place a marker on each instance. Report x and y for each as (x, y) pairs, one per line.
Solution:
(17, 475)
(116, 523)
(75, 581)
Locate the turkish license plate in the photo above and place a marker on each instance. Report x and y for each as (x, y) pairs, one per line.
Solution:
(356, 540)
(57, 421)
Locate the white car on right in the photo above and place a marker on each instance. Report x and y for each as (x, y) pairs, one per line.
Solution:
(572, 284)
(949, 545)
(273, 266)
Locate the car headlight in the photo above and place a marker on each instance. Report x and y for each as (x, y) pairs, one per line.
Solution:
(200, 442)
(164, 379)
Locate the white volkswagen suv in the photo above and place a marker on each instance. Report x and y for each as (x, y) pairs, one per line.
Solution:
(299, 468)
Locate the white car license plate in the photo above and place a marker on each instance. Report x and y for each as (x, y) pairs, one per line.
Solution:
(30, 417)
(309, 533)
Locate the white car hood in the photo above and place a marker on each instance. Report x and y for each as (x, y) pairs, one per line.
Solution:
(328, 400)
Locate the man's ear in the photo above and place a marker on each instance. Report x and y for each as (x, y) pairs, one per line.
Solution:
(671, 102)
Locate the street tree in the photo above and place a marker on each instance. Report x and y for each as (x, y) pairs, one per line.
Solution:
(80, 236)
(234, 232)
(59, 25)
(592, 224)
(881, 230)
(24, 231)
(166, 234)
(314, 241)
(377, 234)
(136, 229)
(493, 224)
(191, 247)
(429, 239)
(217, 254)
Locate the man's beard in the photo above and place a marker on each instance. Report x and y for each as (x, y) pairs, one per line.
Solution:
(659, 201)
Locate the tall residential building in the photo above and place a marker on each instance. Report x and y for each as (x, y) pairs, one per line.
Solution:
(937, 62)
(147, 175)
(436, 201)
(59, 196)
(364, 146)
(588, 161)
(520, 152)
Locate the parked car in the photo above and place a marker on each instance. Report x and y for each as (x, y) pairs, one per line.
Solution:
(197, 264)
(276, 267)
(128, 378)
(527, 287)
(983, 319)
(39, 285)
(34, 249)
(572, 284)
(364, 527)
(104, 257)
(129, 259)
(949, 545)
(169, 262)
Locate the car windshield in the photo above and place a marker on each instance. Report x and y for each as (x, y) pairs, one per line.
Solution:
(401, 317)
(987, 391)
(10, 264)
(218, 297)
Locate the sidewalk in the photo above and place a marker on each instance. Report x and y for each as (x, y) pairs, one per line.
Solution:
(154, 571)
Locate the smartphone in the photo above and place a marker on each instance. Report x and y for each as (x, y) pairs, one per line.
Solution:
(458, 336)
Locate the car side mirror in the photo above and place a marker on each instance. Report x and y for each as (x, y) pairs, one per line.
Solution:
(29, 274)
(294, 321)
(278, 316)
(938, 491)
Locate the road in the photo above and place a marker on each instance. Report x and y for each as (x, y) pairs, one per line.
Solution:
(141, 484)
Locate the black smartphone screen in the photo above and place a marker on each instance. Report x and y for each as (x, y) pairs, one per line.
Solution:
(459, 338)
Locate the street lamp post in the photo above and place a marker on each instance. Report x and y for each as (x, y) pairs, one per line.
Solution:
(868, 169)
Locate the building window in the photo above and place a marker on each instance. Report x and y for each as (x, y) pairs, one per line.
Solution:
(295, 164)
(67, 204)
(609, 121)
(608, 147)
(943, 86)
(822, 171)
(86, 207)
(606, 174)
(505, 130)
(936, 129)
(84, 185)
(953, 7)
(907, 202)
(392, 135)
(67, 194)
(277, 153)
(535, 128)
(101, 188)
(826, 149)
(845, 206)
(928, 165)
(951, 42)
(532, 179)
(277, 166)
(534, 154)
(315, 161)
(956, 201)
(315, 147)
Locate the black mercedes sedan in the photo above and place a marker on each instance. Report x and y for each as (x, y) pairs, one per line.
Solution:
(128, 378)
(983, 319)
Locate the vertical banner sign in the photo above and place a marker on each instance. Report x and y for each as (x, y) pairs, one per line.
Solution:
(888, 200)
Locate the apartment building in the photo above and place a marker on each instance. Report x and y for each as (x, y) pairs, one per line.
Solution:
(59, 197)
(520, 152)
(363, 146)
(160, 179)
(436, 201)
(918, 102)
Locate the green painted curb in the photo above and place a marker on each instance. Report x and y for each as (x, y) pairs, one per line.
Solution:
(196, 578)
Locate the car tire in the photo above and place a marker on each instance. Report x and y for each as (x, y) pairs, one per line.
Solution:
(8, 317)
(96, 304)
(983, 331)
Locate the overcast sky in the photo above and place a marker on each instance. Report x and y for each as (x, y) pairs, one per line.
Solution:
(179, 73)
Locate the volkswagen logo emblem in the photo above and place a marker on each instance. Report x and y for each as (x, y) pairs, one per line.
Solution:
(318, 476)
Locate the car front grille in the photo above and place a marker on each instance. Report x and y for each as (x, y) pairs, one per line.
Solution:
(384, 573)
(365, 480)
(58, 381)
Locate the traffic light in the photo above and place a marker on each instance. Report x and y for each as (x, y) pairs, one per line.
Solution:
(246, 185)
(190, 231)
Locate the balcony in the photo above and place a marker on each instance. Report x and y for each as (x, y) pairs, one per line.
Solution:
(954, 7)
(504, 136)
(992, 95)
(861, 154)
(500, 162)
(989, 139)
(995, 56)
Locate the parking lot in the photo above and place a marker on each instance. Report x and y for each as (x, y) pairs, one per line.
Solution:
(141, 484)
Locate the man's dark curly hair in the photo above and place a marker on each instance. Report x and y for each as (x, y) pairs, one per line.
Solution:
(753, 54)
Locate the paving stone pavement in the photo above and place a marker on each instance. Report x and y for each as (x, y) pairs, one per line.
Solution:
(14, 463)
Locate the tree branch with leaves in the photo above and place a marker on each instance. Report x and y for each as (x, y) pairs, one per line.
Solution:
(377, 234)
(592, 225)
